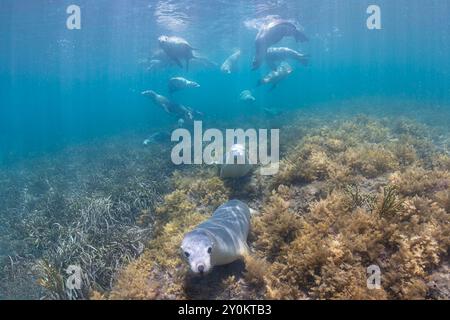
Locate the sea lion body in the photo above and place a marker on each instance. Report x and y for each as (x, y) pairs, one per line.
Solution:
(246, 96)
(276, 55)
(171, 107)
(177, 49)
(159, 60)
(270, 34)
(219, 240)
(272, 112)
(275, 76)
(157, 137)
(230, 63)
(179, 83)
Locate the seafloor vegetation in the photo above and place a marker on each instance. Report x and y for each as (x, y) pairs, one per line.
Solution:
(352, 191)
(87, 207)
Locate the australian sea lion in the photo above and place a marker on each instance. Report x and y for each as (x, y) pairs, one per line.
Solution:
(160, 60)
(275, 55)
(236, 164)
(246, 96)
(274, 77)
(171, 107)
(271, 33)
(271, 112)
(179, 49)
(179, 83)
(230, 63)
(219, 240)
(157, 137)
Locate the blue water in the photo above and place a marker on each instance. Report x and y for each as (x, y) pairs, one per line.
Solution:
(60, 86)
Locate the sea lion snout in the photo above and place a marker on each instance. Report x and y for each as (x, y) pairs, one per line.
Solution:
(220, 240)
(197, 248)
(162, 39)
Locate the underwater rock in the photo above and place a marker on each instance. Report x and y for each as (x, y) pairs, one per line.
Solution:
(439, 283)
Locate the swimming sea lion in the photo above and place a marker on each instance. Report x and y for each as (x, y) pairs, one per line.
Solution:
(230, 63)
(272, 112)
(236, 164)
(246, 96)
(219, 240)
(274, 77)
(160, 60)
(275, 55)
(270, 34)
(172, 107)
(179, 83)
(157, 137)
(179, 49)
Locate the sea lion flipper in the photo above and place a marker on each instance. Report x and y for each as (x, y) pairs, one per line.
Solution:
(300, 37)
(304, 59)
(178, 62)
(245, 251)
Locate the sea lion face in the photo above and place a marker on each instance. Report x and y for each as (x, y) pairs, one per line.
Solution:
(163, 39)
(197, 249)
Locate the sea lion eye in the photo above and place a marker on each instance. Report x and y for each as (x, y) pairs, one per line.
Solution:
(186, 254)
(209, 250)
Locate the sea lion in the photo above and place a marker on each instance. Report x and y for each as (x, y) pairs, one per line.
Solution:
(157, 137)
(272, 112)
(236, 164)
(271, 33)
(230, 63)
(180, 123)
(160, 61)
(274, 77)
(246, 96)
(179, 49)
(179, 83)
(219, 240)
(275, 55)
(171, 107)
